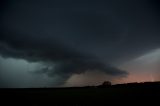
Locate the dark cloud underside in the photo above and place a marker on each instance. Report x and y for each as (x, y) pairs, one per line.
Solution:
(75, 36)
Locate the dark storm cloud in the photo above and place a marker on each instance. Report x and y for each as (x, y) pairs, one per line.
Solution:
(63, 61)
(22, 46)
(78, 35)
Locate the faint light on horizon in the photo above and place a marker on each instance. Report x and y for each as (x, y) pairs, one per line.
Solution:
(152, 78)
(143, 68)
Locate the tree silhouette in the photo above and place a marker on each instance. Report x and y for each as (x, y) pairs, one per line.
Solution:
(106, 83)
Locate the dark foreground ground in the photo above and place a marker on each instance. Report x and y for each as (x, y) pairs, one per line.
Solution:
(148, 93)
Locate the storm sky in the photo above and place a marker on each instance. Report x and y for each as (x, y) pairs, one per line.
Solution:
(51, 43)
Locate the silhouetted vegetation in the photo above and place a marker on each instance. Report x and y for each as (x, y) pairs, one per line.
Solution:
(105, 84)
(146, 92)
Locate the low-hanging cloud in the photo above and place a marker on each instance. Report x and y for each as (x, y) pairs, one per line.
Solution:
(57, 59)
(74, 37)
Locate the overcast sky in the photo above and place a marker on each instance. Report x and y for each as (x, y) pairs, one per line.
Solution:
(50, 43)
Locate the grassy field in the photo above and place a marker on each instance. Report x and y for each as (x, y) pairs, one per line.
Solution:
(118, 94)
